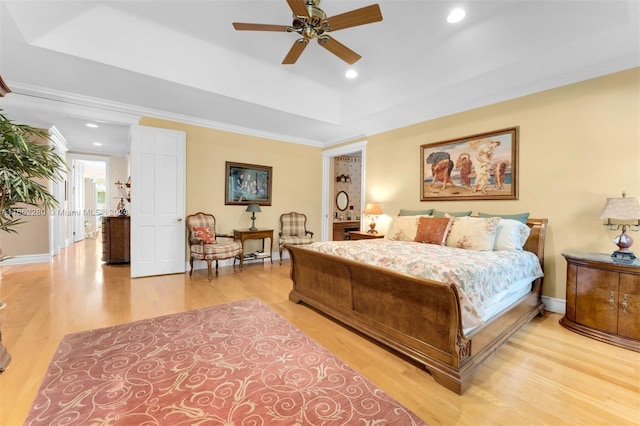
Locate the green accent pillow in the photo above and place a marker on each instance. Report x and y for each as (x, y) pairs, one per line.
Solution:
(520, 217)
(404, 212)
(438, 213)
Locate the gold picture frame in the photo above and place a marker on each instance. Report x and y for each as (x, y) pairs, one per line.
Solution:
(483, 166)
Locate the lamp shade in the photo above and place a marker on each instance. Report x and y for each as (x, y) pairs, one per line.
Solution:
(372, 208)
(621, 209)
(253, 208)
(122, 193)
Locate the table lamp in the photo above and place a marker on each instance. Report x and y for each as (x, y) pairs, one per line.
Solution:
(122, 195)
(253, 208)
(622, 209)
(372, 209)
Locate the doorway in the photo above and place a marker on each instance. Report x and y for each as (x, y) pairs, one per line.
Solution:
(328, 179)
(88, 195)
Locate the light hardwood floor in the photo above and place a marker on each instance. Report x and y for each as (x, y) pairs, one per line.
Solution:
(545, 375)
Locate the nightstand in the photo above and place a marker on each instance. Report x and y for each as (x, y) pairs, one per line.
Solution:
(603, 299)
(359, 235)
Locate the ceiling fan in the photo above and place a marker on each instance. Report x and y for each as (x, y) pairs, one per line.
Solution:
(311, 22)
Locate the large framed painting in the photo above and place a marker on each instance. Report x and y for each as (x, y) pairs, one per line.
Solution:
(477, 167)
(247, 184)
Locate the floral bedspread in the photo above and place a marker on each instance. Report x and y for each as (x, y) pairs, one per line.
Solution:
(479, 275)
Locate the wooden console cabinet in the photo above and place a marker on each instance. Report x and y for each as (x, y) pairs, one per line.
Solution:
(342, 228)
(115, 239)
(603, 299)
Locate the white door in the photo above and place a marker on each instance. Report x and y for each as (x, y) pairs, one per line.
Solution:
(157, 201)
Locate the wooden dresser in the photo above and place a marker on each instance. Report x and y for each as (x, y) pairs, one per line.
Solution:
(603, 299)
(115, 239)
(341, 229)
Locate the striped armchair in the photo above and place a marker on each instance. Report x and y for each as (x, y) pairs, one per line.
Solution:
(205, 244)
(293, 230)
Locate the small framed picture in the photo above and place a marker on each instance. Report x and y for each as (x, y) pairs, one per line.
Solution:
(247, 184)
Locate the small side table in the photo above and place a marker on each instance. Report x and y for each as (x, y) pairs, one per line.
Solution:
(260, 234)
(360, 235)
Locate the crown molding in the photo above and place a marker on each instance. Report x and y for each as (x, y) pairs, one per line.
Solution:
(50, 100)
(40, 98)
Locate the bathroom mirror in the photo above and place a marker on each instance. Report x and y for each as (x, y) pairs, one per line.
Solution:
(342, 200)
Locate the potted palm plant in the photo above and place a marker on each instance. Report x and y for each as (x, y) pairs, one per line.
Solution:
(25, 167)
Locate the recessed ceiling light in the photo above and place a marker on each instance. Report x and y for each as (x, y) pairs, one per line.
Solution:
(92, 125)
(97, 143)
(456, 15)
(351, 73)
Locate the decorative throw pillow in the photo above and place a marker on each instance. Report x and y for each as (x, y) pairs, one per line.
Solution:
(511, 235)
(438, 213)
(204, 234)
(433, 230)
(473, 233)
(404, 212)
(522, 217)
(403, 228)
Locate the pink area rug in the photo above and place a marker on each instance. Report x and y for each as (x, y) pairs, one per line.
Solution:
(234, 364)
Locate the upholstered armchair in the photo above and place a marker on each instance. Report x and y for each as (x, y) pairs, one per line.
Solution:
(293, 230)
(205, 244)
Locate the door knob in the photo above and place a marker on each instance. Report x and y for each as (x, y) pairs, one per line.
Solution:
(179, 219)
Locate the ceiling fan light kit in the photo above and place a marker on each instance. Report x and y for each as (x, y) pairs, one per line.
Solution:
(311, 22)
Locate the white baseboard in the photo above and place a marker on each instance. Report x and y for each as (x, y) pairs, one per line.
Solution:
(554, 305)
(27, 258)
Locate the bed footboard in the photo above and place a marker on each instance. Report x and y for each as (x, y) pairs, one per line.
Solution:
(416, 317)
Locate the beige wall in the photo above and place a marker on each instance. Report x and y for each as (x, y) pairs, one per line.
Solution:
(32, 237)
(296, 179)
(579, 144)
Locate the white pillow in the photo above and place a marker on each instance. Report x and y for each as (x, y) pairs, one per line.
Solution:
(473, 233)
(511, 235)
(403, 228)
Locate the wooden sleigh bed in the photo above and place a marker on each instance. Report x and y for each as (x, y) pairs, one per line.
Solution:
(417, 317)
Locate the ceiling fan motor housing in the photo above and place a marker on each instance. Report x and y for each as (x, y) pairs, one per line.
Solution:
(308, 26)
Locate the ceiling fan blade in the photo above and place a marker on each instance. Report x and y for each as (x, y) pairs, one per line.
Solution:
(298, 7)
(362, 16)
(240, 26)
(338, 49)
(295, 51)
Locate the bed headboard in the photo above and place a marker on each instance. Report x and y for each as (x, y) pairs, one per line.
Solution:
(535, 242)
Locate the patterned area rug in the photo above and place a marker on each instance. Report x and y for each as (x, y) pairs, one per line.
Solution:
(239, 363)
